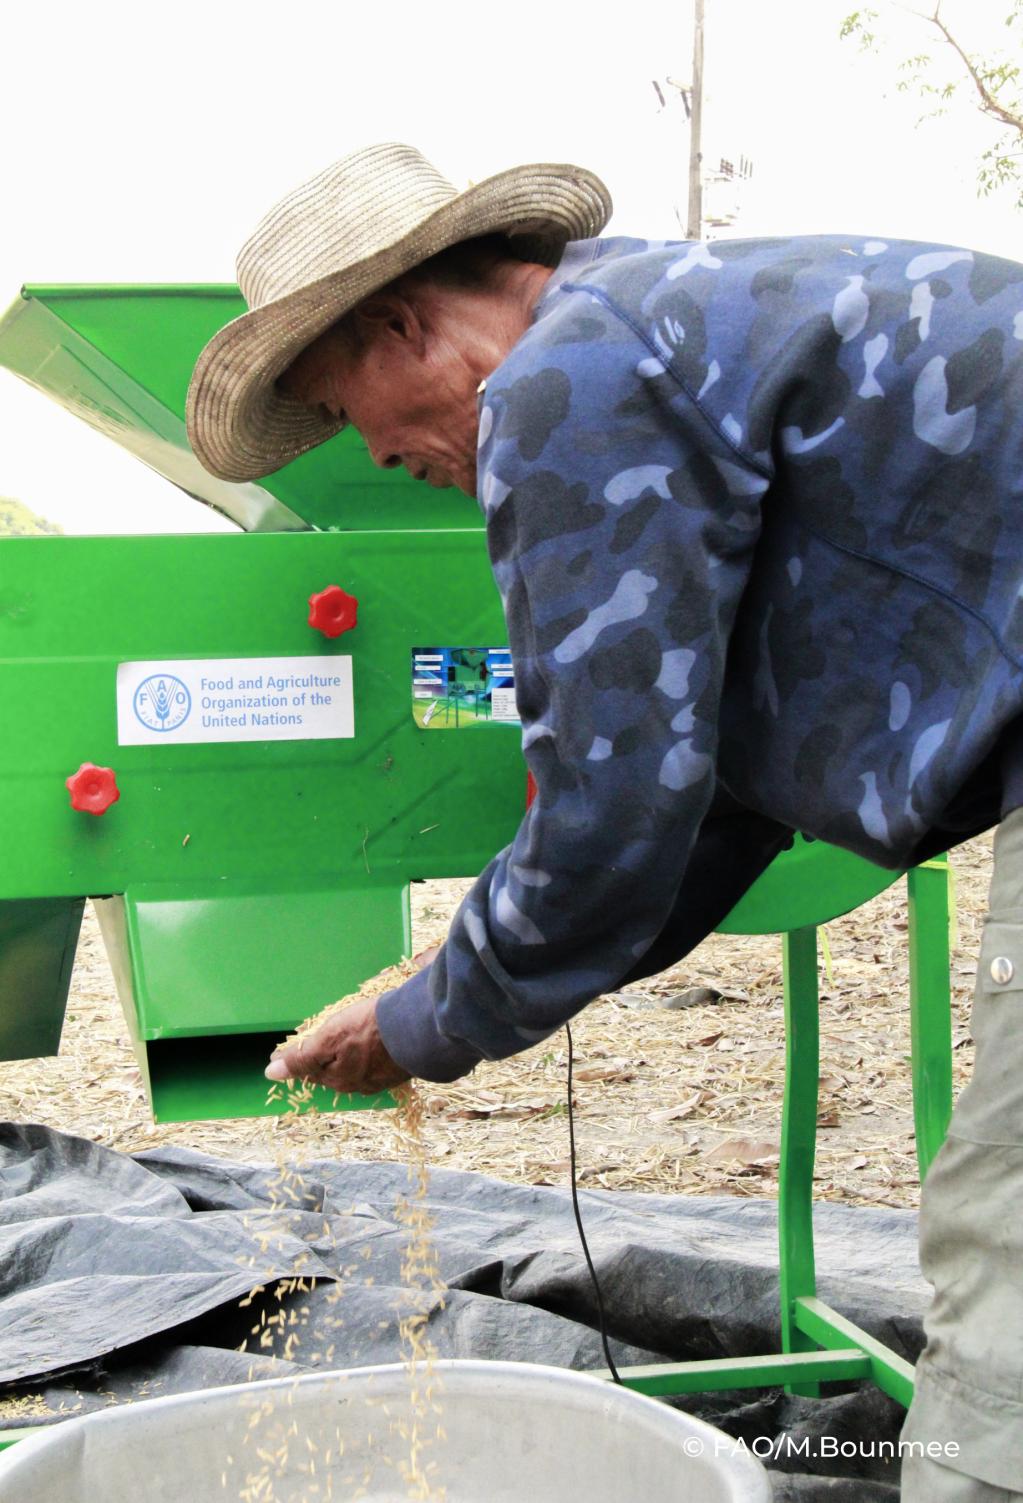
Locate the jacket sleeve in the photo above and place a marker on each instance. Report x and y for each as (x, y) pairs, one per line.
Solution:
(621, 525)
(733, 848)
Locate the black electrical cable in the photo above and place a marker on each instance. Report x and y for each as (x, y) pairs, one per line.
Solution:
(579, 1220)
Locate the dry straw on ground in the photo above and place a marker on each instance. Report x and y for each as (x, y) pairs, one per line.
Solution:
(685, 1100)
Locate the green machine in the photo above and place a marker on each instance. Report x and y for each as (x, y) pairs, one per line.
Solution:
(245, 747)
(240, 717)
(249, 724)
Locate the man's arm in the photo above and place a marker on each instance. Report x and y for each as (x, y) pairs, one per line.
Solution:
(621, 527)
(733, 848)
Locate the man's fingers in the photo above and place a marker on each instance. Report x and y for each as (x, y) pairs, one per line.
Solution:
(286, 1063)
(345, 1053)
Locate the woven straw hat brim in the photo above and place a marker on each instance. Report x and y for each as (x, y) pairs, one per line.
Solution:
(242, 428)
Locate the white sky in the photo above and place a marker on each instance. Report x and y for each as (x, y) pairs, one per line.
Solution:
(143, 142)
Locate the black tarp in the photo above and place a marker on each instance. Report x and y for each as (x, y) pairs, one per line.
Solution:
(121, 1277)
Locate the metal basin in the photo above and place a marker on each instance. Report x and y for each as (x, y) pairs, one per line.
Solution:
(512, 1432)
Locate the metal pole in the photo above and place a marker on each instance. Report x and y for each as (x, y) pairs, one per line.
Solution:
(694, 226)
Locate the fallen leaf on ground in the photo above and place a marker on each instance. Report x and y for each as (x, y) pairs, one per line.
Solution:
(743, 1151)
(506, 1109)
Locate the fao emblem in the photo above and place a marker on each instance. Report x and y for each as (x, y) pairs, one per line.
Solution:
(162, 702)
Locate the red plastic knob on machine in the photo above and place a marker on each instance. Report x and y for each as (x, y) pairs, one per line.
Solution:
(531, 789)
(333, 611)
(93, 789)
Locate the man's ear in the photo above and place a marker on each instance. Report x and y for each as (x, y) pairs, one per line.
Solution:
(388, 315)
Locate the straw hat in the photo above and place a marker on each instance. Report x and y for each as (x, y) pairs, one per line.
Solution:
(340, 236)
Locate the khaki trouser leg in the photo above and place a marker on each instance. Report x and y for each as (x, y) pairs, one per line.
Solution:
(938, 1484)
(969, 1387)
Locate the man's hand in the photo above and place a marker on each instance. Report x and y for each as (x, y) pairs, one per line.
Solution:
(346, 1053)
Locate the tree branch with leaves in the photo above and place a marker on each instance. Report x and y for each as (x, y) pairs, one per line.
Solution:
(994, 82)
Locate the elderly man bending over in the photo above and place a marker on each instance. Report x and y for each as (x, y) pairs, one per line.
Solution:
(755, 510)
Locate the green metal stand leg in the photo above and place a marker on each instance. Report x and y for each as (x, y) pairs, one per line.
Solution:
(819, 1344)
(38, 937)
(797, 1276)
(930, 1007)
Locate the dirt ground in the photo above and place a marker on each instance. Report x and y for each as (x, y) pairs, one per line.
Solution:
(685, 1100)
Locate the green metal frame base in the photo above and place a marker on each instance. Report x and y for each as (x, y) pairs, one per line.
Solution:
(844, 1354)
(818, 1344)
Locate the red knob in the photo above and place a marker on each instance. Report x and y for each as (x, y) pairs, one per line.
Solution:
(332, 611)
(531, 789)
(93, 789)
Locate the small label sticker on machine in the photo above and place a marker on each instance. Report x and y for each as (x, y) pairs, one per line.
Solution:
(234, 699)
(459, 688)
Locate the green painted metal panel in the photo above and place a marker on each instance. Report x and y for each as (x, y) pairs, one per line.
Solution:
(36, 344)
(203, 1079)
(390, 804)
(227, 960)
(253, 881)
(728, 1374)
(208, 989)
(37, 951)
(810, 884)
(121, 358)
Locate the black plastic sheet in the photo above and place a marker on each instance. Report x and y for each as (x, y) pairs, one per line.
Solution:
(121, 1277)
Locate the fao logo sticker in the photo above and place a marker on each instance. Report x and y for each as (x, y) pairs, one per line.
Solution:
(162, 702)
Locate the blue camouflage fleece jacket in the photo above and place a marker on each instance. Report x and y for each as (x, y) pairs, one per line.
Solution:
(755, 510)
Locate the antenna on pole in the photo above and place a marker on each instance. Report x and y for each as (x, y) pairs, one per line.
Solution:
(694, 226)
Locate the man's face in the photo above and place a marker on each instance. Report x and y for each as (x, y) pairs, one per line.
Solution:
(411, 396)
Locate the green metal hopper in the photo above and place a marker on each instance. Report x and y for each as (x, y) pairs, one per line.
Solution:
(250, 872)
